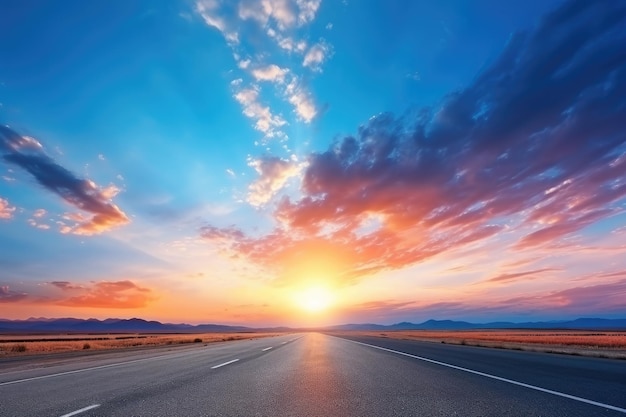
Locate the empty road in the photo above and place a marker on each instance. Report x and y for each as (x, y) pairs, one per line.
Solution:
(314, 374)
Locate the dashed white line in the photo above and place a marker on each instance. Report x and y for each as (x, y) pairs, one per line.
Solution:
(224, 364)
(82, 410)
(267, 348)
(498, 378)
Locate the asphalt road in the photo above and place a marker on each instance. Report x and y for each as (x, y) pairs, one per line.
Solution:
(316, 375)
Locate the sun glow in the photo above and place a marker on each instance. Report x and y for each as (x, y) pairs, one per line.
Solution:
(314, 299)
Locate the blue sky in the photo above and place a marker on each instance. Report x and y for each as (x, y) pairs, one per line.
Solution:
(223, 160)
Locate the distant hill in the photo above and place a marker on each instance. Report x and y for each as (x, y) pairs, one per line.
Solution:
(136, 325)
(580, 324)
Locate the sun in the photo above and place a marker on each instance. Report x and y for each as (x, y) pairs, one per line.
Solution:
(314, 299)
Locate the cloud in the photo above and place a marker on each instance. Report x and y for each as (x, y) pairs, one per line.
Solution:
(574, 301)
(266, 121)
(272, 73)
(517, 275)
(315, 56)
(301, 100)
(107, 294)
(66, 285)
(273, 175)
(531, 150)
(284, 13)
(84, 194)
(415, 76)
(256, 10)
(243, 64)
(8, 296)
(6, 210)
(209, 10)
(39, 213)
(41, 226)
(291, 45)
(308, 10)
(248, 25)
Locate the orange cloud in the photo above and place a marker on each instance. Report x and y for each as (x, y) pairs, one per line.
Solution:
(105, 294)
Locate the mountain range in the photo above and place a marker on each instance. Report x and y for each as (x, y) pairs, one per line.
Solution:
(136, 325)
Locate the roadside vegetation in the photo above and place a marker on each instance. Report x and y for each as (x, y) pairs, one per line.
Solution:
(607, 344)
(12, 345)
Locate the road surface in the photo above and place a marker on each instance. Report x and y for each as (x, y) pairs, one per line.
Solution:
(313, 374)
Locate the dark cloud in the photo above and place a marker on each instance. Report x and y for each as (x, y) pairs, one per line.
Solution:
(83, 194)
(65, 285)
(8, 296)
(536, 140)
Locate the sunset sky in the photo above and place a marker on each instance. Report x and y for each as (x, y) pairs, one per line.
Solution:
(299, 162)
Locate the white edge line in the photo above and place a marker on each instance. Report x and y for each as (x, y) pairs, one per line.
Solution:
(510, 381)
(267, 348)
(224, 364)
(82, 410)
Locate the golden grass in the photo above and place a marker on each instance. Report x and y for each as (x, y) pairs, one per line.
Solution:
(37, 344)
(548, 337)
(589, 343)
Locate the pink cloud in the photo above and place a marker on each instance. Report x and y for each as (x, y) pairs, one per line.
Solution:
(6, 210)
(8, 296)
(517, 275)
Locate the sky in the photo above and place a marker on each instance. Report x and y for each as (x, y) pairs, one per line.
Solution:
(313, 162)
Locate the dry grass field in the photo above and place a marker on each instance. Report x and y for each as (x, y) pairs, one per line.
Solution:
(609, 344)
(12, 345)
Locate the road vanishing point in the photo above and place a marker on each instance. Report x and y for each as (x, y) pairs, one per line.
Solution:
(313, 374)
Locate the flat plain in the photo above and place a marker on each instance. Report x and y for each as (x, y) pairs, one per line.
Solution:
(605, 344)
(25, 344)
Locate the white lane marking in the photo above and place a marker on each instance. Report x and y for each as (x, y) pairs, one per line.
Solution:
(224, 364)
(510, 381)
(283, 343)
(267, 348)
(82, 410)
(111, 365)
